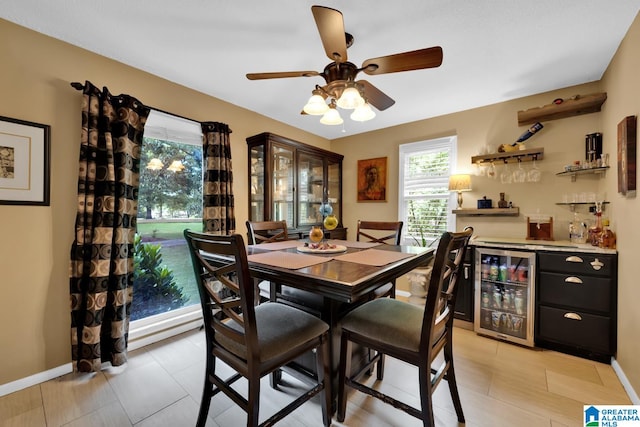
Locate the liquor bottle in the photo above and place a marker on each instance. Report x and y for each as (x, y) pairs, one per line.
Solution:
(607, 237)
(529, 133)
(595, 230)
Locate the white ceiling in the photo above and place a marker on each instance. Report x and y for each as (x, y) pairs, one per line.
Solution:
(494, 50)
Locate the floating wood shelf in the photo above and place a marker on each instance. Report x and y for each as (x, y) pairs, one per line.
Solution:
(571, 107)
(487, 212)
(510, 156)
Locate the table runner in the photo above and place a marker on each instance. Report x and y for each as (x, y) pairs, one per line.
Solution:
(375, 257)
(292, 261)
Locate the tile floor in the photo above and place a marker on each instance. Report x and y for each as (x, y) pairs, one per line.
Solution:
(500, 385)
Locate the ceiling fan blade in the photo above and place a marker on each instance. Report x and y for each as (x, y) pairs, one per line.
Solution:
(375, 96)
(280, 75)
(331, 28)
(415, 60)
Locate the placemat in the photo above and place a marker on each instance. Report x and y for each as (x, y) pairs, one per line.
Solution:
(374, 257)
(278, 246)
(290, 260)
(354, 244)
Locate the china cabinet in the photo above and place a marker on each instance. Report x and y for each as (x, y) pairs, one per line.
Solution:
(294, 182)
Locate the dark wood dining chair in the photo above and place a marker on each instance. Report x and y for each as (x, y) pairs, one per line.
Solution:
(254, 340)
(413, 334)
(384, 232)
(266, 231)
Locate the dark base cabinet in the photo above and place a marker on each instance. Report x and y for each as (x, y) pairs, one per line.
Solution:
(464, 300)
(576, 304)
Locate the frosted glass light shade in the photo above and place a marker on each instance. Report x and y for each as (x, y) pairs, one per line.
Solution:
(155, 164)
(316, 106)
(363, 113)
(350, 99)
(331, 117)
(176, 166)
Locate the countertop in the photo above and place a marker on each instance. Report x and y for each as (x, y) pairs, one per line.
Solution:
(537, 245)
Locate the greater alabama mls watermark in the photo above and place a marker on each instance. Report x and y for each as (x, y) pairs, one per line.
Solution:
(611, 415)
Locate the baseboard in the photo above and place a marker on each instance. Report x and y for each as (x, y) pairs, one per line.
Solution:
(625, 382)
(35, 379)
(138, 337)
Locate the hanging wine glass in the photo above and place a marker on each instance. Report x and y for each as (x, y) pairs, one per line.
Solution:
(519, 175)
(534, 174)
(506, 175)
(491, 172)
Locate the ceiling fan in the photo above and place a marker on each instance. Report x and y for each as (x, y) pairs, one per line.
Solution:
(341, 88)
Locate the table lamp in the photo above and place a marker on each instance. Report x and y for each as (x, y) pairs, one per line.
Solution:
(460, 183)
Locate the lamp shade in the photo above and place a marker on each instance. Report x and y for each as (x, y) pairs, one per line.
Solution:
(460, 182)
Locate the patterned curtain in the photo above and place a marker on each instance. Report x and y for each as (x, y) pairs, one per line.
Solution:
(218, 215)
(101, 273)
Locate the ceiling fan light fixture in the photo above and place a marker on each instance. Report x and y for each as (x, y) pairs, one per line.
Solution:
(331, 117)
(363, 113)
(316, 105)
(350, 98)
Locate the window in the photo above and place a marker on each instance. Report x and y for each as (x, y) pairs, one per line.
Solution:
(165, 294)
(425, 200)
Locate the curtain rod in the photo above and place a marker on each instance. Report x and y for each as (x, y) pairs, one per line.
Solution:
(80, 86)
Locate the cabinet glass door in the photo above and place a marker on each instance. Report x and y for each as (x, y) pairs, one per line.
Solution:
(283, 185)
(333, 188)
(310, 189)
(256, 185)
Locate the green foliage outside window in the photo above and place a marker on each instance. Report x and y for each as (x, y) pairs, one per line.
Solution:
(155, 290)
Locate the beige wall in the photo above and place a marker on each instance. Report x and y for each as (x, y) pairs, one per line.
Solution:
(623, 87)
(34, 81)
(34, 254)
(563, 142)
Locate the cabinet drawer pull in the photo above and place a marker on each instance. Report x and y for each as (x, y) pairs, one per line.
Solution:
(573, 279)
(597, 264)
(572, 316)
(574, 258)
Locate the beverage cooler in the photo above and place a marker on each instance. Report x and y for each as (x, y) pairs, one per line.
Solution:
(505, 294)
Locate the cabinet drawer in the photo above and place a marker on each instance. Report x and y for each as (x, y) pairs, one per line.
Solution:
(578, 263)
(592, 332)
(574, 290)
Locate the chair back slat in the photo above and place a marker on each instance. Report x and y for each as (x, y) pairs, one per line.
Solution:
(266, 231)
(443, 287)
(366, 230)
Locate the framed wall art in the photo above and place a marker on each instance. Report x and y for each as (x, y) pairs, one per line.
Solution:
(372, 180)
(24, 162)
(627, 155)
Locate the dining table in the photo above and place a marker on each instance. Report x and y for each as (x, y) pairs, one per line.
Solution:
(339, 278)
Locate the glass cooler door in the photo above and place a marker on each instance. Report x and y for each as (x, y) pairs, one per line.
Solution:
(504, 300)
